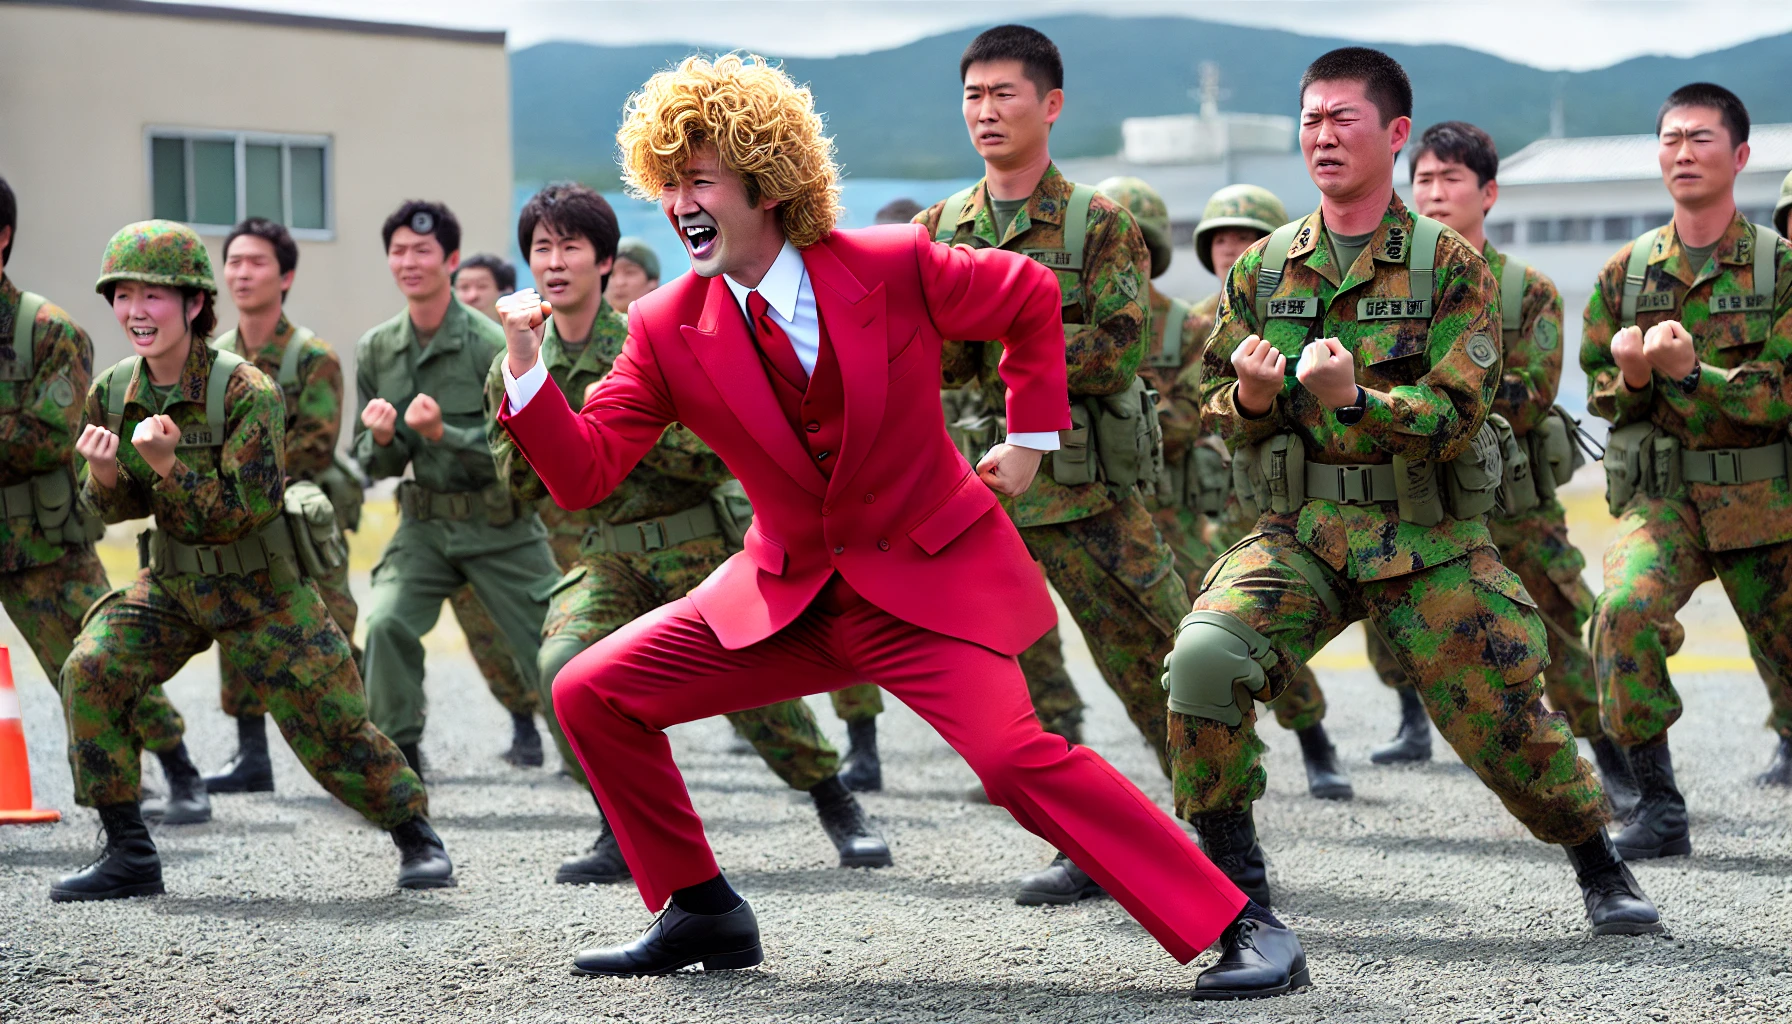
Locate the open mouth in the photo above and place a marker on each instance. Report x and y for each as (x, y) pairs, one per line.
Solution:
(143, 335)
(700, 239)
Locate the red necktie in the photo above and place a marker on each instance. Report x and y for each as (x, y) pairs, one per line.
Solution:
(773, 341)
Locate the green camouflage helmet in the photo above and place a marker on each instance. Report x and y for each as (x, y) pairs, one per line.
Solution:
(157, 252)
(1148, 209)
(1237, 206)
(1784, 207)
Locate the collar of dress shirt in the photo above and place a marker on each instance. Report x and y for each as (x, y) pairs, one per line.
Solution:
(780, 286)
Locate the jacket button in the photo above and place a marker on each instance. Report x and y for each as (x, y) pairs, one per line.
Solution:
(869, 498)
(812, 427)
(827, 510)
(883, 544)
(838, 550)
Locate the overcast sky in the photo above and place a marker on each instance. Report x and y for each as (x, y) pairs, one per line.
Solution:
(1556, 34)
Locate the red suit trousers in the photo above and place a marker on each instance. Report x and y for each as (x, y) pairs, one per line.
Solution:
(616, 700)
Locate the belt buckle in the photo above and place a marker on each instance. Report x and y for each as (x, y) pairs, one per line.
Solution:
(1353, 484)
(207, 557)
(1726, 467)
(653, 535)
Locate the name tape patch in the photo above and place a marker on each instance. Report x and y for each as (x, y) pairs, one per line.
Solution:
(196, 437)
(1749, 303)
(1656, 301)
(1295, 308)
(1055, 258)
(1393, 309)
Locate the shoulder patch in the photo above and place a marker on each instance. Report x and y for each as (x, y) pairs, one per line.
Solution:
(1481, 351)
(1128, 283)
(1548, 335)
(1305, 237)
(1395, 249)
(61, 392)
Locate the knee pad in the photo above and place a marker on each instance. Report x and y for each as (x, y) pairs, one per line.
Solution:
(1214, 653)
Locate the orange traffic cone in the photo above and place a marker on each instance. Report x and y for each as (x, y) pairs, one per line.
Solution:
(15, 766)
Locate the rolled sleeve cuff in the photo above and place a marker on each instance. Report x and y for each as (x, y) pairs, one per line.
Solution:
(1038, 440)
(519, 390)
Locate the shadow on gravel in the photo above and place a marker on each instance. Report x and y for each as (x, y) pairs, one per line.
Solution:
(76, 859)
(224, 827)
(1496, 850)
(378, 910)
(830, 880)
(520, 822)
(1664, 952)
(1743, 863)
(1328, 904)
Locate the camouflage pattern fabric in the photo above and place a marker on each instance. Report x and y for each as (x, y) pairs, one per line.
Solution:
(47, 604)
(159, 252)
(1464, 631)
(606, 592)
(238, 699)
(492, 654)
(1734, 531)
(1149, 211)
(1106, 317)
(859, 703)
(40, 418)
(274, 630)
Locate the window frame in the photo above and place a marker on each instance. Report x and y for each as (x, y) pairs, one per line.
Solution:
(241, 140)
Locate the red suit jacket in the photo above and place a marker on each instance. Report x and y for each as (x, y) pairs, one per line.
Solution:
(902, 517)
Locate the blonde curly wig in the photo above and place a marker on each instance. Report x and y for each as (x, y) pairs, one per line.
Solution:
(763, 125)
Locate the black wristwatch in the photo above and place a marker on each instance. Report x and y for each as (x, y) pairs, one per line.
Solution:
(1350, 414)
(1690, 382)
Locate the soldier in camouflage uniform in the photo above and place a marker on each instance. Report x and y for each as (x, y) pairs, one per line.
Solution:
(459, 523)
(1373, 467)
(1454, 166)
(49, 573)
(1685, 349)
(1197, 476)
(224, 564)
(1084, 518)
(662, 532)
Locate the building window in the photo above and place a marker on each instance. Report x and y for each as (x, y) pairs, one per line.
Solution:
(1538, 232)
(1575, 229)
(1617, 229)
(213, 179)
(1502, 233)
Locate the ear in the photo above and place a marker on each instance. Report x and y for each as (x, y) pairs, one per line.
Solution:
(606, 266)
(1490, 195)
(1742, 154)
(5, 240)
(286, 281)
(454, 261)
(1399, 132)
(194, 304)
(1054, 105)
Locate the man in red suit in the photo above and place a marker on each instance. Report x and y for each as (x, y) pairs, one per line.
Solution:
(808, 359)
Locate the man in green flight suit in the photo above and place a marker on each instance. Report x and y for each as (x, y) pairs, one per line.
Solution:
(230, 561)
(49, 572)
(1084, 518)
(673, 521)
(458, 522)
(1686, 341)
(1373, 463)
(1197, 482)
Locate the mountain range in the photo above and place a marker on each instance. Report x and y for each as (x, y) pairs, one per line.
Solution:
(895, 112)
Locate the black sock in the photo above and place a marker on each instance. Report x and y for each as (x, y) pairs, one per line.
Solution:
(1252, 911)
(830, 791)
(715, 896)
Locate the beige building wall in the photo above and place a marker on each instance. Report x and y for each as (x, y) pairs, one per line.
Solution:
(408, 116)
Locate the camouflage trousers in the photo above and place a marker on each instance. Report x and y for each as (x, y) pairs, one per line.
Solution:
(1466, 634)
(606, 592)
(47, 604)
(274, 630)
(1535, 545)
(1119, 580)
(239, 699)
(1198, 541)
(859, 703)
(1658, 559)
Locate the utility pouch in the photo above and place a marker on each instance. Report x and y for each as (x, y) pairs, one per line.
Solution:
(1417, 492)
(1248, 481)
(1554, 455)
(1472, 479)
(1518, 484)
(1074, 463)
(341, 481)
(1666, 468)
(734, 513)
(500, 506)
(1628, 464)
(316, 533)
(1284, 459)
(1127, 436)
(1209, 480)
(975, 435)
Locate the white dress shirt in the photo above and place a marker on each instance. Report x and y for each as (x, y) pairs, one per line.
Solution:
(790, 301)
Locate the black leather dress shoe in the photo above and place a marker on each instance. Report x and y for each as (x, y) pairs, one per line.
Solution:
(676, 940)
(1060, 884)
(1257, 960)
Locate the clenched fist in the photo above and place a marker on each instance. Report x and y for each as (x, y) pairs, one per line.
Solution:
(155, 439)
(99, 447)
(1009, 468)
(1328, 370)
(425, 417)
(1669, 349)
(1261, 370)
(524, 317)
(381, 418)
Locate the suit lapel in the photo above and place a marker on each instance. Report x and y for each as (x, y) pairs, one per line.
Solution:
(854, 319)
(722, 345)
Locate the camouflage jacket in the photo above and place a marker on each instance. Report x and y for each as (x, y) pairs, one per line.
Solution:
(39, 417)
(1104, 338)
(1178, 405)
(1531, 363)
(213, 495)
(314, 413)
(452, 371)
(1428, 384)
(1744, 393)
(677, 474)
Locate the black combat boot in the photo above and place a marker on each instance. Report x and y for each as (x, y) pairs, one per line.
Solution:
(251, 770)
(525, 742)
(844, 821)
(1615, 903)
(1229, 838)
(862, 772)
(1657, 827)
(1413, 742)
(1615, 776)
(412, 757)
(1325, 777)
(1062, 882)
(128, 866)
(187, 802)
(422, 859)
(602, 866)
(1779, 773)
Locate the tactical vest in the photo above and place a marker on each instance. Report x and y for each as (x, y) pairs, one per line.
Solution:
(1757, 301)
(24, 339)
(1169, 357)
(1068, 260)
(118, 382)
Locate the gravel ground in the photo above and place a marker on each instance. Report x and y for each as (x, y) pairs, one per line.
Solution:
(1419, 901)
